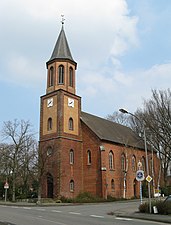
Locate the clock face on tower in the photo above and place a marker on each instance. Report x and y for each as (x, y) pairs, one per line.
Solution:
(50, 102)
(71, 102)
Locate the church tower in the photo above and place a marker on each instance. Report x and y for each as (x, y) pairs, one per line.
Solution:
(60, 133)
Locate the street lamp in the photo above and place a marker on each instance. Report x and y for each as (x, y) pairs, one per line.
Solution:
(145, 145)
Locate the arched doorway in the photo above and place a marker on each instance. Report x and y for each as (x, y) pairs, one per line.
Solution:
(136, 194)
(49, 185)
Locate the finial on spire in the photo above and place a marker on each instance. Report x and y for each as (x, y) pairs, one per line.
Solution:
(62, 19)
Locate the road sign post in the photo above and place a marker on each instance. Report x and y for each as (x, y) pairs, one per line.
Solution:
(140, 178)
(6, 186)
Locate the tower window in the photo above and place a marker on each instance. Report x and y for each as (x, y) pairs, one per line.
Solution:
(111, 160)
(51, 76)
(71, 76)
(133, 163)
(143, 163)
(49, 124)
(89, 157)
(71, 124)
(71, 156)
(61, 74)
(71, 184)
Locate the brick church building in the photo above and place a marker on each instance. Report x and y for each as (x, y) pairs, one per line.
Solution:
(81, 152)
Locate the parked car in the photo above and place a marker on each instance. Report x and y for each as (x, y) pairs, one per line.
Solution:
(168, 199)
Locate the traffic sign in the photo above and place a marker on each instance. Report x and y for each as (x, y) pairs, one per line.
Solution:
(6, 185)
(148, 178)
(140, 175)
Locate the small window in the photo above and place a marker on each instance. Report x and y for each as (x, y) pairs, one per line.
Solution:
(51, 76)
(89, 157)
(112, 184)
(61, 74)
(71, 185)
(111, 160)
(49, 124)
(71, 76)
(71, 156)
(49, 151)
(123, 162)
(133, 163)
(71, 124)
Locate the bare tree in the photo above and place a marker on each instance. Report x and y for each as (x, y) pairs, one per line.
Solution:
(120, 118)
(157, 117)
(20, 137)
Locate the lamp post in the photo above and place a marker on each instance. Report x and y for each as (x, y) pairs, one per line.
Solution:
(146, 155)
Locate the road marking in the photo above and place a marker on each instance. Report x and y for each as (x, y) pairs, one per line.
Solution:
(75, 213)
(97, 216)
(122, 218)
(56, 211)
(26, 208)
(15, 207)
(40, 209)
(51, 221)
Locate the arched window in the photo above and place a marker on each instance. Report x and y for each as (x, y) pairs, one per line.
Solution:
(49, 124)
(71, 76)
(143, 163)
(49, 151)
(71, 156)
(112, 184)
(71, 124)
(123, 162)
(89, 157)
(133, 163)
(111, 160)
(51, 76)
(71, 184)
(61, 74)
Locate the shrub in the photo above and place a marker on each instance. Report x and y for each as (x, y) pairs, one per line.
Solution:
(162, 207)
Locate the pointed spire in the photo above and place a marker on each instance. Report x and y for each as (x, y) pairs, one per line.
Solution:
(61, 50)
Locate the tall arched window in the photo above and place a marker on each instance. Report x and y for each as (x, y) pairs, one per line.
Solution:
(61, 74)
(71, 76)
(133, 163)
(49, 124)
(71, 184)
(71, 156)
(51, 76)
(71, 124)
(123, 162)
(112, 184)
(111, 160)
(143, 163)
(88, 157)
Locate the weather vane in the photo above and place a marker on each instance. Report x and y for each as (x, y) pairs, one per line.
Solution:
(62, 19)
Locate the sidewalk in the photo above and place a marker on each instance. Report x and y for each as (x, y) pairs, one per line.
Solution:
(144, 216)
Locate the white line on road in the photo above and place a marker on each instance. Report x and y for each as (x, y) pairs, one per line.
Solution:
(122, 218)
(26, 208)
(40, 209)
(51, 221)
(57, 211)
(97, 216)
(75, 213)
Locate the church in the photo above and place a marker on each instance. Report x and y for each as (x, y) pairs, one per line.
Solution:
(80, 152)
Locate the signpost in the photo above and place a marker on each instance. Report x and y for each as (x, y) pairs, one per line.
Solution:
(6, 186)
(140, 178)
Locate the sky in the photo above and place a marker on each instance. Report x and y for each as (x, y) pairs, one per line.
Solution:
(122, 49)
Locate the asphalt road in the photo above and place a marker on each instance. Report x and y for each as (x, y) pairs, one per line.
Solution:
(87, 214)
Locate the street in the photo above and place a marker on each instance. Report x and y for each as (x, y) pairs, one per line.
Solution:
(86, 214)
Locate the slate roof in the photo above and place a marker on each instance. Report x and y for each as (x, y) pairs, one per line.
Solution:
(61, 49)
(111, 131)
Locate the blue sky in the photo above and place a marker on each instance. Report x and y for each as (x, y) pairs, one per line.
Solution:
(122, 47)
